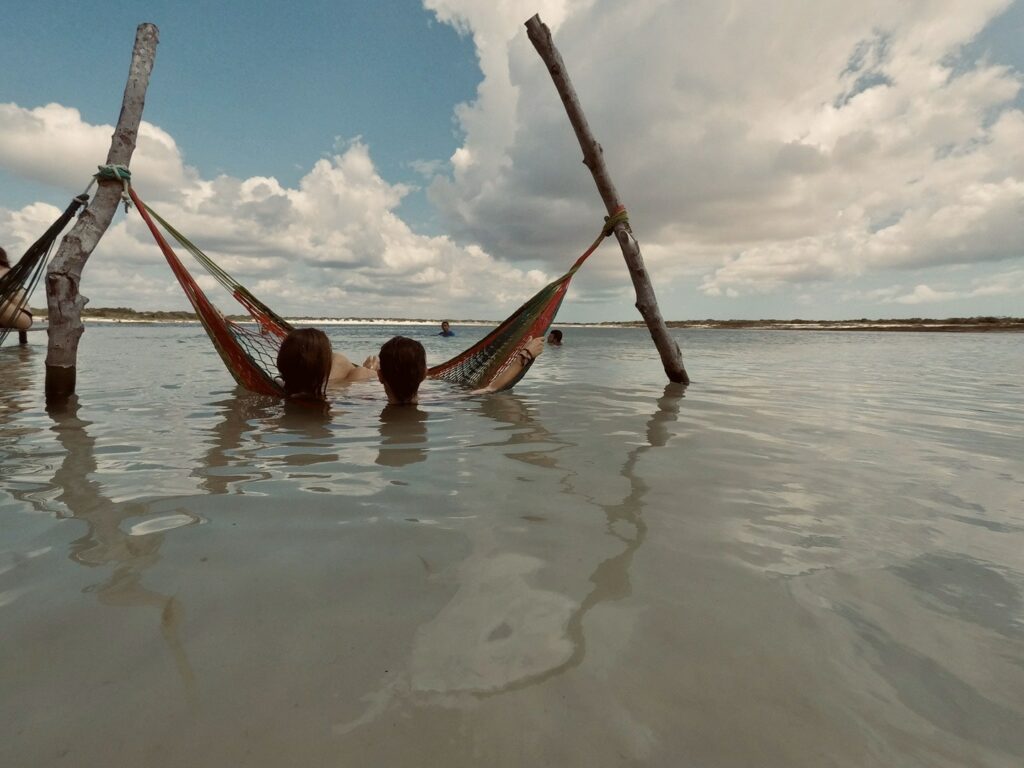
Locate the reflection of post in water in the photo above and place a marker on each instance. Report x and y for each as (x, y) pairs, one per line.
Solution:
(403, 433)
(624, 521)
(16, 378)
(105, 543)
(229, 448)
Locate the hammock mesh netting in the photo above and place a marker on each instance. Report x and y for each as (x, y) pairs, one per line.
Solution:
(479, 365)
(17, 285)
(250, 353)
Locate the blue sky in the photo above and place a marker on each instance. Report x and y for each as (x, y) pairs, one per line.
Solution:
(401, 158)
(257, 87)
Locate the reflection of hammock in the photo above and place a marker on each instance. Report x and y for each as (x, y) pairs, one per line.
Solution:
(251, 355)
(17, 285)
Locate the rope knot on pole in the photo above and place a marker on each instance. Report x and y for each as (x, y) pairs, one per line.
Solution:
(621, 216)
(115, 172)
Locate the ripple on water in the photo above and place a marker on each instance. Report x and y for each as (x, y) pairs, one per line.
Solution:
(820, 538)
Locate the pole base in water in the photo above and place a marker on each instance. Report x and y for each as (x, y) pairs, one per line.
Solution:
(60, 383)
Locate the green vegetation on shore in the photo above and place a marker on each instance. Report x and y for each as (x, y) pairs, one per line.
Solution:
(125, 314)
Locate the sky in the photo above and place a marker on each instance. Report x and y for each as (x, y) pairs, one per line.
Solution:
(407, 158)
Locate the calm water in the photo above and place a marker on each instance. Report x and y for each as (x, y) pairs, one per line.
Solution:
(812, 557)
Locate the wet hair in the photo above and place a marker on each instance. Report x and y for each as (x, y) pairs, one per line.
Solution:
(557, 334)
(4, 262)
(304, 361)
(403, 365)
(445, 322)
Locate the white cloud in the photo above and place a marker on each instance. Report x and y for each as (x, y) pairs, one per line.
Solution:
(923, 294)
(764, 149)
(762, 145)
(53, 145)
(331, 246)
(1006, 284)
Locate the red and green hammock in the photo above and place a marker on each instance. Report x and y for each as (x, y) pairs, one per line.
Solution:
(250, 354)
(479, 365)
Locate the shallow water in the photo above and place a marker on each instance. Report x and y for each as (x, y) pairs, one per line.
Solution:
(814, 556)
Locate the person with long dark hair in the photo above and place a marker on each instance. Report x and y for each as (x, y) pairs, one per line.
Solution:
(307, 365)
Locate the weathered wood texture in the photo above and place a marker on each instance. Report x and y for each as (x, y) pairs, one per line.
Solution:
(63, 299)
(593, 158)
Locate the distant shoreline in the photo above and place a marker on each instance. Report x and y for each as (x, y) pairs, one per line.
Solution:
(916, 324)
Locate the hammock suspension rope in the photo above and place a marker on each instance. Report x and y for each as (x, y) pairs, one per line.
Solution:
(251, 356)
(479, 365)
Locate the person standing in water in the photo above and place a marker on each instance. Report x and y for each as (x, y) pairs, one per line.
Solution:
(555, 338)
(446, 329)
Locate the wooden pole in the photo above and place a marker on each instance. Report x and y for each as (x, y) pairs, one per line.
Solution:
(64, 301)
(593, 158)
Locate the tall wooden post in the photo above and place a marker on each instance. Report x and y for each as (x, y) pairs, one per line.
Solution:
(593, 158)
(64, 301)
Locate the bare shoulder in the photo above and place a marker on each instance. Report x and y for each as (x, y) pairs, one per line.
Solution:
(341, 368)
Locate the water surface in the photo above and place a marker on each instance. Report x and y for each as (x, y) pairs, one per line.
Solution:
(813, 556)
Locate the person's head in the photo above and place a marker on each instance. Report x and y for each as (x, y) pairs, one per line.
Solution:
(403, 365)
(304, 361)
(555, 337)
(445, 326)
(4, 262)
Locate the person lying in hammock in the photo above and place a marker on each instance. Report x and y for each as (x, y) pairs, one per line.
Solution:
(307, 366)
(11, 315)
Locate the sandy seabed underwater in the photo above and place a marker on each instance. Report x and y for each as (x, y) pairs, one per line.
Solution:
(813, 556)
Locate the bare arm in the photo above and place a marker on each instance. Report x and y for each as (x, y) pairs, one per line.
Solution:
(530, 351)
(344, 371)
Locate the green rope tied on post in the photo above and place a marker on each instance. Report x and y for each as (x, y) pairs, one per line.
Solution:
(619, 217)
(113, 173)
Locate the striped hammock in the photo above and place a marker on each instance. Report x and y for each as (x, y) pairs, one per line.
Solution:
(250, 353)
(17, 285)
(479, 365)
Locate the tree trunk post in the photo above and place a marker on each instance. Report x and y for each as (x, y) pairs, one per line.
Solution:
(63, 300)
(593, 158)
